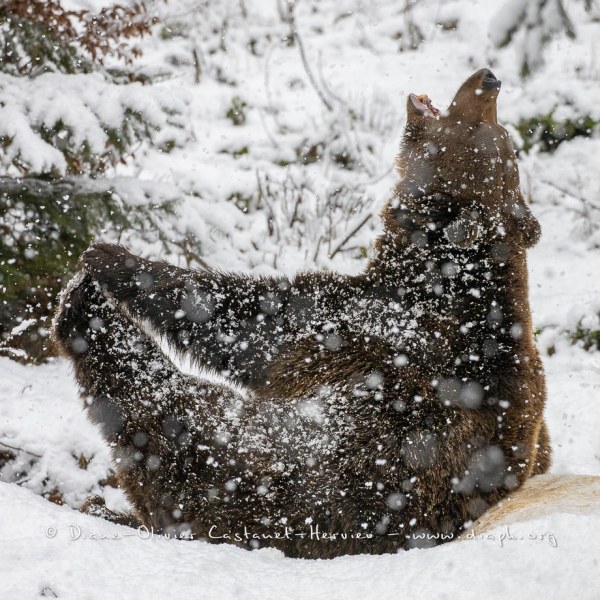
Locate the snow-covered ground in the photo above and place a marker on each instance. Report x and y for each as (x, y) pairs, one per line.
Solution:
(55, 552)
(353, 51)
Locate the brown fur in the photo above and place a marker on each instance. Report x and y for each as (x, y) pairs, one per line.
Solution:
(391, 408)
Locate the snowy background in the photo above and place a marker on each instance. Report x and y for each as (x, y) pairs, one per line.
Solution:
(273, 128)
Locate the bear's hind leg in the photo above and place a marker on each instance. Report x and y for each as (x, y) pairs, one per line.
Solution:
(172, 434)
(96, 507)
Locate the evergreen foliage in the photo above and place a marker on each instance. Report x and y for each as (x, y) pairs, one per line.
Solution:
(65, 121)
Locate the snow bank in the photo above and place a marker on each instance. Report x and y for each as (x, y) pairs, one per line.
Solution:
(54, 551)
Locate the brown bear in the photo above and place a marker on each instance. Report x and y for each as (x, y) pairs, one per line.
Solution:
(381, 411)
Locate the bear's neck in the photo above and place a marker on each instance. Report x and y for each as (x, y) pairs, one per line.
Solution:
(483, 284)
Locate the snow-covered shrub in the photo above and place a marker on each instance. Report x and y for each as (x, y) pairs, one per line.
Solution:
(69, 109)
(59, 124)
(321, 222)
(530, 25)
(588, 333)
(42, 35)
(45, 227)
(545, 133)
(58, 116)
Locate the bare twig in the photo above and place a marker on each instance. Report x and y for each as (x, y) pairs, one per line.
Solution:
(587, 207)
(296, 205)
(569, 193)
(266, 129)
(197, 66)
(190, 255)
(271, 222)
(19, 449)
(18, 352)
(271, 109)
(317, 249)
(326, 87)
(307, 68)
(350, 236)
(379, 177)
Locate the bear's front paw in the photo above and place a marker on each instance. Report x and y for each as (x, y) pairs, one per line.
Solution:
(102, 257)
(96, 506)
(522, 225)
(463, 232)
(110, 265)
(531, 231)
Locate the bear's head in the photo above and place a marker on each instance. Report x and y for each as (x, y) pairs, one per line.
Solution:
(462, 152)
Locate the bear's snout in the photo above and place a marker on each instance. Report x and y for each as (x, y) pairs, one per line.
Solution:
(489, 81)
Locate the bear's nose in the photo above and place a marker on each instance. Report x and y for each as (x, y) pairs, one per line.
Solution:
(489, 81)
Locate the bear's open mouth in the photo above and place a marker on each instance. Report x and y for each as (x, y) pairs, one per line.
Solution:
(424, 105)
